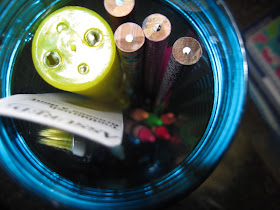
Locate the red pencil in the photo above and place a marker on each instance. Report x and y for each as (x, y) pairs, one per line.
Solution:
(167, 118)
(139, 131)
(143, 133)
(161, 132)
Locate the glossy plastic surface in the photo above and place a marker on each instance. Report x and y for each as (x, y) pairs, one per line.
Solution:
(67, 56)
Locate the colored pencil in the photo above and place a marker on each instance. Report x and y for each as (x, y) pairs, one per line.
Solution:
(139, 131)
(130, 40)
(167, 118)
(153, 120)
(186, 53)
(164, 63)
(157, 29)
(161, 132)
(120, 11)
(139, 114)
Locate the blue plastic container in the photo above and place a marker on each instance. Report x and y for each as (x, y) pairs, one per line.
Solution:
(215, 116)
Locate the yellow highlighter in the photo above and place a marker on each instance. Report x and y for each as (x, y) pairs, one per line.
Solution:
(73, 50)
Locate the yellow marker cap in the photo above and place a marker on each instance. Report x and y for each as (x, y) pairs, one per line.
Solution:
(73, 49)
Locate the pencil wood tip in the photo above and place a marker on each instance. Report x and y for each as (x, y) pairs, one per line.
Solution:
(119, 8)
(187, 51)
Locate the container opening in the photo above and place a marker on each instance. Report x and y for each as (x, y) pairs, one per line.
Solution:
(191, 104)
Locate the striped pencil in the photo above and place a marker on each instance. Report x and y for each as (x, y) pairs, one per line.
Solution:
(130, 40)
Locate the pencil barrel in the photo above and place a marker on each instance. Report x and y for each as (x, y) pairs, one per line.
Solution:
(153, 59)
(129, 39)
(172, 75)
(157, 29)
(119, 11)
(185, 54)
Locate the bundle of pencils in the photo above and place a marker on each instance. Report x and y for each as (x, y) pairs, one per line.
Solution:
(149, 65)
(147, 127)
(152, 69)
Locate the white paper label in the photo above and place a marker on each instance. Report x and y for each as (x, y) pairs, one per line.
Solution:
(55, 110)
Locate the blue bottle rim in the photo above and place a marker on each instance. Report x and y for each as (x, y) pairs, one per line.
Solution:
(212, 22)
